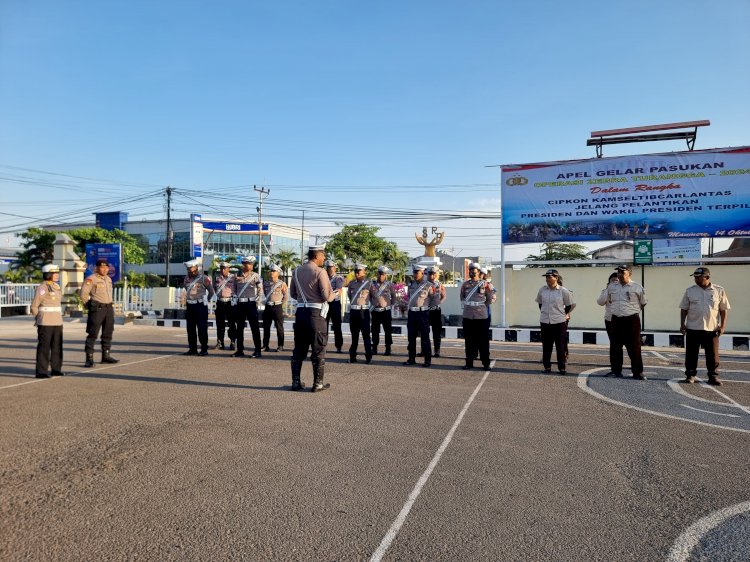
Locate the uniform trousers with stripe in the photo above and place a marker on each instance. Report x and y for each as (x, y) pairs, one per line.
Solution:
(554, 335)
(197, 326)
(359, 323)
(476, 340)
(418, 325)
(101, 316)
(382, 318)
(310, 333)
(709, 341)
(225, 321)
(247, 311)
(334, 315)
(273, 314)
(49, 348)
(626, 330)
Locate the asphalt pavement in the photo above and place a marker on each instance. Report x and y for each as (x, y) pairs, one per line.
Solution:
(168, 457)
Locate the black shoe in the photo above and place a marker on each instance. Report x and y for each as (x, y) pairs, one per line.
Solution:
(203, 353)
(191, 352)
(268, 349)
(467, 367)
(320, 387)
(58, 374)
(352, 360)
(338, 350)
(563, 373)
(387, 351)
(368, 359)
(436, 354)
(547, 371)
(427, 365)
(714, 380)
(639, 377)
(107, 358)
(89, 362)
(374, 350)
(231, 346)
(617, 375)
(43, 376)
(297, 387)
(486, 366)
(238, 354)
(410, 362)
(256, 354)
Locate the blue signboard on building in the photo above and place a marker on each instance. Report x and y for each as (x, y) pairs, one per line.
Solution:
(110, 252)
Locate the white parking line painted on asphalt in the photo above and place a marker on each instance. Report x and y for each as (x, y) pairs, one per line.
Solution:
(660, 356)
(678, 387)
(583, 385)
(110, 366)
(689, 539)
(727, 398)
(397, 524)
(709, 411)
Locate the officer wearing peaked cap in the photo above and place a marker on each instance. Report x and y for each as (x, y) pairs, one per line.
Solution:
(276, 297)
(383, 295)
(248, 290)
(198, 290)
(334, 310)
(627, 299)
(418, 322)
(46, 307)
(311, 288)
(474, 300)
(359, 293)
(224, 288)
(555, 304)
(96, 294)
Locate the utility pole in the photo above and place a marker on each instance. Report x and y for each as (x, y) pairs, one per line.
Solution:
(262, 194)
(169, 231)
(302, 239)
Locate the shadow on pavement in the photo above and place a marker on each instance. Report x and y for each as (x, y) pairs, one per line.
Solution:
(164, 380)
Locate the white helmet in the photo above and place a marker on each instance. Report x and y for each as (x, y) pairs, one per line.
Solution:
(51, 268)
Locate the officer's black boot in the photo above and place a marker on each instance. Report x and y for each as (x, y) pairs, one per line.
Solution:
(297, 375)
(231, 345)
(387, 350)
(469, 365)
(318, 373)
(374, 349)
(107, 358)
(89, 360)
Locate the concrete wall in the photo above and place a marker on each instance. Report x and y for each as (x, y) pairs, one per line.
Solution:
(664, 288)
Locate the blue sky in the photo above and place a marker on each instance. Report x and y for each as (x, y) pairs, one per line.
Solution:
(366, 105)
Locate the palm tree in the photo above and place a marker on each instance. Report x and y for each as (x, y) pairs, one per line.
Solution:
(287, 260)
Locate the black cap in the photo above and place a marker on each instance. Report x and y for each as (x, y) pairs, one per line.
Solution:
(101, 261)
(700, 271)
(551, 272)
(624, 267)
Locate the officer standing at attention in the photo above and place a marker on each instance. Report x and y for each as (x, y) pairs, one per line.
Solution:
(248, 291)
(198, 290)
(276, 297)
(47, 309)
(224, 288)
(475, 297)
(703, 318)
(382, 295)
(627, 298)
(359, 291)
(311, 288)
(96, 294)
(436, 313)
(334, 310)
(555, 303)
(418, 323)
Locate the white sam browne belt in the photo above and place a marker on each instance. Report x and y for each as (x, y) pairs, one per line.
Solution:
(50, 309)
(310, 305)
(475, 303)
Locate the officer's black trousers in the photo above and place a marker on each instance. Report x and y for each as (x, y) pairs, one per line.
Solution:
(436, 323)
(49, 348)
(554, 335)
(197, 326)
(385, 319)
(418, 324)
(334, 315)
(359, 323)
(310, 331)
(626, 330)
(273, 314)
(247, 311)
(476, 340)
(709, 341)
(224, 320)
(100, 316)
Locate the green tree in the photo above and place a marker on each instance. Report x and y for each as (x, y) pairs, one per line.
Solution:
(361, 243)
(38, 247)
(559, 251)
(132, 250)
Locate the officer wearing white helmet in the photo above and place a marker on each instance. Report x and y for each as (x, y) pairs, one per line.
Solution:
(334, 310)
(418, 323)
(359, 291)
(248, 289)
(47, 308)
(198, 290)
(224, 288)
(276, 297)
(383, 297)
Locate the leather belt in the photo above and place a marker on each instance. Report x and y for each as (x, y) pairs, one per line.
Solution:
(225, 299)
(50, 309)
(273, 304)
(359, 307)
(310, 305)
(194, 302)
(381, 309)
(419, 308)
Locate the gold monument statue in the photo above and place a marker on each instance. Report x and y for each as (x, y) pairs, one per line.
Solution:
(429, 247)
